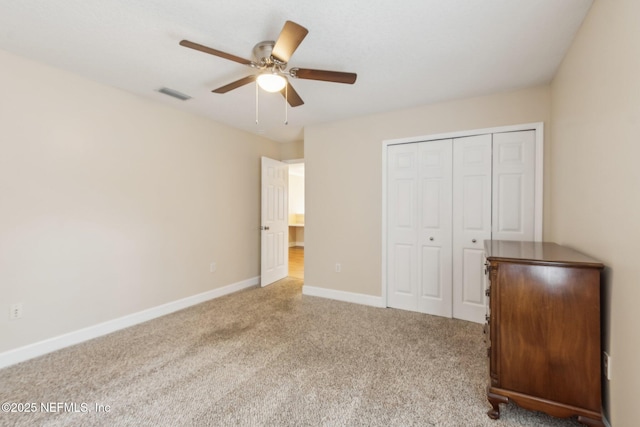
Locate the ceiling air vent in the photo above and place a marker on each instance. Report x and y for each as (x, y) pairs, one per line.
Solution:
(174, 93)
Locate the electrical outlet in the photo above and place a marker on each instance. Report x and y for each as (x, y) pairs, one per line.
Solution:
(16, 311)
(338, 268)
(607, 365)
(212, 267)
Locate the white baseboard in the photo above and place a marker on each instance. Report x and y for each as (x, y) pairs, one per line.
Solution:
(343, 296)
(40, 348)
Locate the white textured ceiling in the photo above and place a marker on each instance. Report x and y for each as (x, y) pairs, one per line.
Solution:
(406, 52)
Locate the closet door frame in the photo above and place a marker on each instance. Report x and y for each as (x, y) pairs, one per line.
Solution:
(538, 127)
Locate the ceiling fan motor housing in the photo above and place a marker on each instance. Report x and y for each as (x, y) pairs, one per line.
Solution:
(262, 53)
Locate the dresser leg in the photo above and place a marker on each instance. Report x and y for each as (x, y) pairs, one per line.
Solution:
(495, 401)
(494, 413)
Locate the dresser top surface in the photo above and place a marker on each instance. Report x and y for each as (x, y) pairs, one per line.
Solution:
(537, 252)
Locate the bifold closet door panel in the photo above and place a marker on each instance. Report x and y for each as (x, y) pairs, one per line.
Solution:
(419, 227)
(402, 226)
(472, 185)
(434, 212)
(514, 186)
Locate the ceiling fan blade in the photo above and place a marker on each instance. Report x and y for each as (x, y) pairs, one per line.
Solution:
(234, 85)
(324, 75)
(292, 96)
(288, 41)
(211, 51)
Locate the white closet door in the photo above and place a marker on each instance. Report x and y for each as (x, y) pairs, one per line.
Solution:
(402, 226)
(514, 185)
(434, 210)
(471, 224)
(419, 227)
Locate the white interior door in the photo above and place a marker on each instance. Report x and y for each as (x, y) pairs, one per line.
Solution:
(472, 176)
(514, 185)
(274, 227)
(419, 227)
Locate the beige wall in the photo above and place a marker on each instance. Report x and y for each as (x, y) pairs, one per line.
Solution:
(111, 204)
(292, 150)
(595, 191)
(343, 173)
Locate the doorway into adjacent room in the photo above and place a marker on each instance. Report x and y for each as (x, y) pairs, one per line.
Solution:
(296, 219)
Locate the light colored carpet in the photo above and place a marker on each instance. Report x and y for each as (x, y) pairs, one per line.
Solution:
(270, 357)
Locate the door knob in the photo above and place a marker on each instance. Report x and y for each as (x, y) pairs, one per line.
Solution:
(431, 238)
(264, 227)
(473, 240)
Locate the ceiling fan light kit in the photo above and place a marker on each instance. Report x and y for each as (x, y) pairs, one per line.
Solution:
(271, 82)
(271, 59)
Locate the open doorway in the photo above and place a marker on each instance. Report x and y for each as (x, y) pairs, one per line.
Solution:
(296, 219)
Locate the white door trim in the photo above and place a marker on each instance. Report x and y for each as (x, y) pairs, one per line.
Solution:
(539, 178)
(293, 161)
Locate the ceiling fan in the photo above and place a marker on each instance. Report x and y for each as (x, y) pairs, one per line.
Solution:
(271, 59)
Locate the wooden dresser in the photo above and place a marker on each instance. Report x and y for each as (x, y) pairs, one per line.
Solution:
(543, 329)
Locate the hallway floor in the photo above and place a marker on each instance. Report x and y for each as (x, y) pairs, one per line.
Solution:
(296, 262)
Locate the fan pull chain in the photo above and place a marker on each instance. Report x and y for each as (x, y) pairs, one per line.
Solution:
(286, 103)
(257, 102)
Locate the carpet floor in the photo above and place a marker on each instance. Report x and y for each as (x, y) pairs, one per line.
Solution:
(268, 357)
